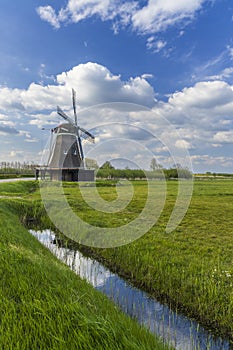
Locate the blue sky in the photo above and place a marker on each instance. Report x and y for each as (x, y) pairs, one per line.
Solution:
(173, 57)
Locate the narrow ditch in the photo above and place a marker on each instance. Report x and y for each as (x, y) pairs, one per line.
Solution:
(173, 328)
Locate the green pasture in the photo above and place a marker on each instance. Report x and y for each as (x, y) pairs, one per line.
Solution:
(43, 304)
(191, 268)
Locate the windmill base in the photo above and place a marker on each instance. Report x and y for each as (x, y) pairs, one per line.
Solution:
(65, 174)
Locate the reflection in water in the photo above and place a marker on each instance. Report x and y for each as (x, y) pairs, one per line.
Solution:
(174, 328)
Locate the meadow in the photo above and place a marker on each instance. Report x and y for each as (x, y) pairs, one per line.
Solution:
(190, 269)
(43, 304)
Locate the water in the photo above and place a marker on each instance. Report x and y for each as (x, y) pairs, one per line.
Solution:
(173, 328)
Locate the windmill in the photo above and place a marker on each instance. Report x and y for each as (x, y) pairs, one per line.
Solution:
(66, 156)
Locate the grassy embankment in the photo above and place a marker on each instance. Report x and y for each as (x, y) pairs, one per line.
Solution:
(191, 268)
(43, 305)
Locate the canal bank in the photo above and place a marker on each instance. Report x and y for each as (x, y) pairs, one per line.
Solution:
(174, 328)
(44, 305)
(144, 248)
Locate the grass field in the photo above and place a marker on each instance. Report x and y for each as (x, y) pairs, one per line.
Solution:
(43, 305)
(191, 268)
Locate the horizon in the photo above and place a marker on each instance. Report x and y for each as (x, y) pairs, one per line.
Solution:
(18, 165)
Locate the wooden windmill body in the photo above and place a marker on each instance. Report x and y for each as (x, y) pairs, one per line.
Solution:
(66, 158)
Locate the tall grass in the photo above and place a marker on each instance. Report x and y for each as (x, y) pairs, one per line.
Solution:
(44, 305)
(191, 268)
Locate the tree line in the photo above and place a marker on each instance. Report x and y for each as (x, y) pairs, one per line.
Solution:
(107, 171)
(17, 168)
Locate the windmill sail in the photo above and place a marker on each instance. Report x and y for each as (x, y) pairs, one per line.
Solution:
(64, 116)
(74, 106)
(90, 137)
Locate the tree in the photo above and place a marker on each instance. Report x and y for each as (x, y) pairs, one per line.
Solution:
(154, 165)
(107, 165)
(91, 163)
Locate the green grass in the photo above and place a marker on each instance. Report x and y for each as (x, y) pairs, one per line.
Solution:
(43, 304)
(20, 188)
(191, 268)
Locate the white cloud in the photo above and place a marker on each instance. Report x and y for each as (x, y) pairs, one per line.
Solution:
(7, 123)
(183, 144)
(25, 133)
(205, 71)
(203, 95)
(214, 65)
(48, 14)
(226, 73)
(160, 45)
(158, 15)
(43, 75)
(202, 114)
(155, 45)
(147, 76)
(14, 153)
(154, 17)
(224, 136)
(94, 84)
(198, 111)
(38, 97)
(78, 10)
(10, 99)
(2, 117)
(33, 140)
(230, 51)
(7, 129)
(211, 160)
(42, 119)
